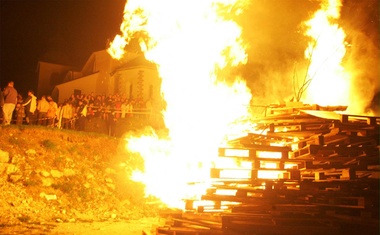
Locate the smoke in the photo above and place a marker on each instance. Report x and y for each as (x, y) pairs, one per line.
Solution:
(275, 33)
(361, 22)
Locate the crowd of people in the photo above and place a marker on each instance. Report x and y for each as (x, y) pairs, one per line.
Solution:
(70, 114)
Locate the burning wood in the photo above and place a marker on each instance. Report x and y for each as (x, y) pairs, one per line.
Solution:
(296, 156)
(320, 177)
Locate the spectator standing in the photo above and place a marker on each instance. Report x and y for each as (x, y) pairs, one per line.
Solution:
(111, 123)
(67, 115)
(81, 114)
(21, 118)
(124, 108)
(1, 103)
(90, 113)
(1, 99)
(97, 101)
(52, 111)
(20, 114)
(30, 105)
(58, 115)
(117, 106)
(102, 110)
(42, 107)
(10, 101)
(130, 108)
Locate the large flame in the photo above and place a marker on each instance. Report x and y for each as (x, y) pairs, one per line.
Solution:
(329, 80)
(190, 42)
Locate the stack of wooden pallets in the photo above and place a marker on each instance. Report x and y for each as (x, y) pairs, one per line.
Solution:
(309, 172)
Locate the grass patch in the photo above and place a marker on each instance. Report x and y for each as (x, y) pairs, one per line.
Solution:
(48, 144)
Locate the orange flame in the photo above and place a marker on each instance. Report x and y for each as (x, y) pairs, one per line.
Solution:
(329, 81)
(190, 42)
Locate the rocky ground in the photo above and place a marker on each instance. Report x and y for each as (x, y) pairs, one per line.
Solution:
(52, 179)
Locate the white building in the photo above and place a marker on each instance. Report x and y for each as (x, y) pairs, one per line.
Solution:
(134, 76)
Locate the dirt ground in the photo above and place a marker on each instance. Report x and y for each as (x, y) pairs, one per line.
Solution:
(56, 181)
(134, 227)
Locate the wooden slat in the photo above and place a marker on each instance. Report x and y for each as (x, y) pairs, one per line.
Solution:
(337, 163)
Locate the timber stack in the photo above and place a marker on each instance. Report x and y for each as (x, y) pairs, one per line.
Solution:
(305, 171)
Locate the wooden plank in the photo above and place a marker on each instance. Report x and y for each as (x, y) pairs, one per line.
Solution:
(368, 186)
(334, 139)
(369, 120)
(362, 218)
(180, 231)
(323, 114)
(337, 168)
(342, 202)
(198, 224)
(252, 175)
(260, 224)
(352, 151)
(359, 130)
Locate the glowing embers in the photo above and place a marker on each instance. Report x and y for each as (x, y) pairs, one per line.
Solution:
(270, 174)
(236, 152)
(256, 151)
(251, 164)
(267, 154)
(208, 205)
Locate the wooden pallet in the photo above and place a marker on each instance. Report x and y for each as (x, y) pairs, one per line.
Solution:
(259, 223)
(333, 179)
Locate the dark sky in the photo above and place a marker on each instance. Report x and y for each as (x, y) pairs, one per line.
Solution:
(62, 31)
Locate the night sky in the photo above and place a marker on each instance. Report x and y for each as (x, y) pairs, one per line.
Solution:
(61, 31)
(68, 31)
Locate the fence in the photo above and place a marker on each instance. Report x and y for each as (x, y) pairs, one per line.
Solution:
(115, 125)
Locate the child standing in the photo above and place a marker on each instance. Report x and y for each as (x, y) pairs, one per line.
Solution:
(20, 112)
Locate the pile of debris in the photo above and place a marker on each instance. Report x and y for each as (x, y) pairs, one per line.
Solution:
(305, 171)
(49, 175)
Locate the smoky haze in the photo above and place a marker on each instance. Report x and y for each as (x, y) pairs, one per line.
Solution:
(275, 33)
(361, 19)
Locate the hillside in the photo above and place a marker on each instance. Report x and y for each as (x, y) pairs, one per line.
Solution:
(52, 175)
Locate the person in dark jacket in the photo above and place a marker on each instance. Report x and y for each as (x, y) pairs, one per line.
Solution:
(1, 103)
(1, 99)
(81, 114)
(10, 101)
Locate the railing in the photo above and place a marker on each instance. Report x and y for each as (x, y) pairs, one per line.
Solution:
(136, 112)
